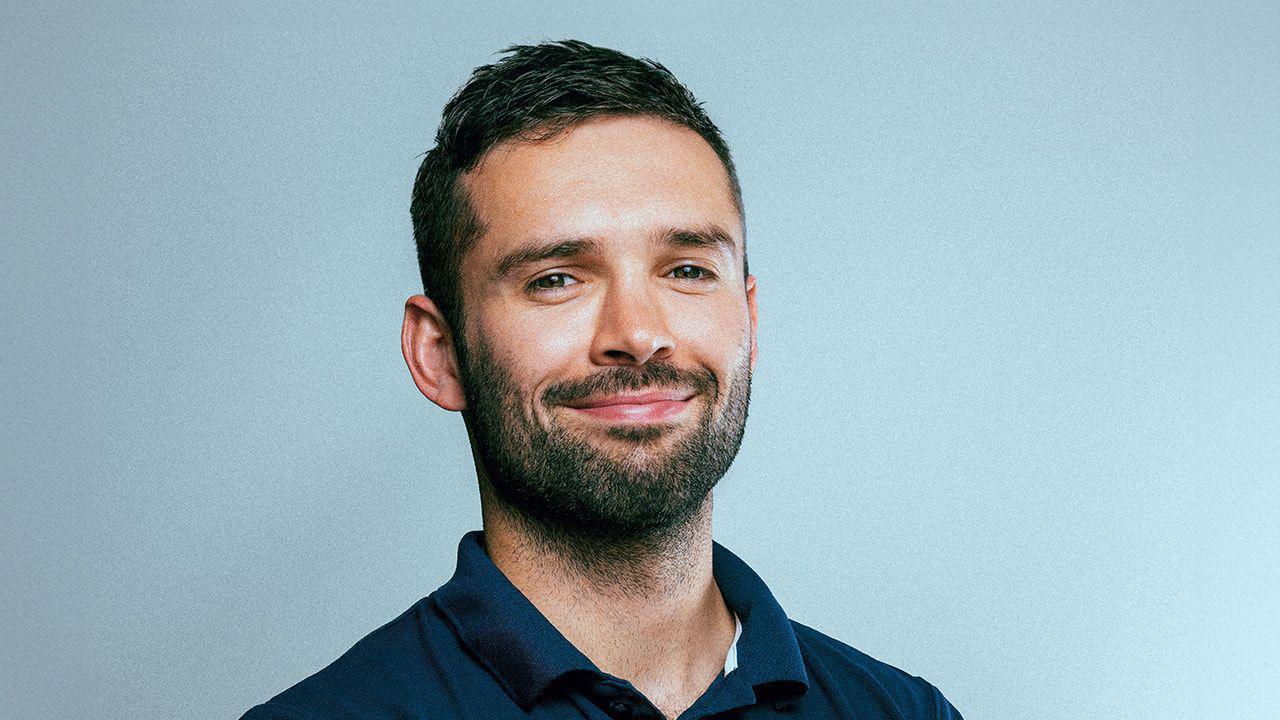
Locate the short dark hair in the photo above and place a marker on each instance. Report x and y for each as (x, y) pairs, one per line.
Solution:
(533, 93)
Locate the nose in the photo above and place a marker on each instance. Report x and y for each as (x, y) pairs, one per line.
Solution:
(631, 328)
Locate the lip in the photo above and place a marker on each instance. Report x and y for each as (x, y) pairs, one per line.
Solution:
(649, 398)
(650, 407)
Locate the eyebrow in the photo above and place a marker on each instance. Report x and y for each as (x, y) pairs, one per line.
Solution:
(538, 251)
(711, 236)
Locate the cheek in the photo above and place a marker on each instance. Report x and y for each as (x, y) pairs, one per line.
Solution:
(532, 346)
(720, 331)
(718, 338)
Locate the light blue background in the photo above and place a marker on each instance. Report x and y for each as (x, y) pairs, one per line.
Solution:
(1016, 423)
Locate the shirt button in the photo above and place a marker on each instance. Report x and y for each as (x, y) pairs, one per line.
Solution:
(620, 709)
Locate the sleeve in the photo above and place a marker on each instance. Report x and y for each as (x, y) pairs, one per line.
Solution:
(942, 709)
(268, 711)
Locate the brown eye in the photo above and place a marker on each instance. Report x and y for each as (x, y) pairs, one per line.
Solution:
(554, 281)
(690, 272)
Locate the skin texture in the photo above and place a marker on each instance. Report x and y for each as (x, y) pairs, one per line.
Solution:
(619, 300)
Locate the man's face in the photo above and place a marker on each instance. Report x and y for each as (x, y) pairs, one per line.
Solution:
(609, 331)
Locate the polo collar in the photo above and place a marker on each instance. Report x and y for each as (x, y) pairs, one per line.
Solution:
(769, 657)
(526, 654)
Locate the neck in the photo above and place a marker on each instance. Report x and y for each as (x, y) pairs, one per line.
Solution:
(646, 610)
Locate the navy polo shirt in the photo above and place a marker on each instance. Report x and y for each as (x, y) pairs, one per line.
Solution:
(477, 648)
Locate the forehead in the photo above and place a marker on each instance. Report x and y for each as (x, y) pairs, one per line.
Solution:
(606, 178)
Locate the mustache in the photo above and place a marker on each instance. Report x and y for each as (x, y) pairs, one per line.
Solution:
(650, 376)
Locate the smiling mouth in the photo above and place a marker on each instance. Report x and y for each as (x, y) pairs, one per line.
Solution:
(634, 408)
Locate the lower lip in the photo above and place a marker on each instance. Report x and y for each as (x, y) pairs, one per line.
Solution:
(653, 412)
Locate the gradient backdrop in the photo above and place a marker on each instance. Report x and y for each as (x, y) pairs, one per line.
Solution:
(1016, 422)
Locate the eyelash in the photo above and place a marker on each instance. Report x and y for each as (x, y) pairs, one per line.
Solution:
(534, 286)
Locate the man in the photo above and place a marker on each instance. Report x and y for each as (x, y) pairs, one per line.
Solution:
(589, 312)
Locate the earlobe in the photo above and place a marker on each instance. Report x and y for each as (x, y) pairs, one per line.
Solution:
(427, 343)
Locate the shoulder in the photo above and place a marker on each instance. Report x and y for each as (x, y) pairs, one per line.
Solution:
(842, 670)
(382, 675)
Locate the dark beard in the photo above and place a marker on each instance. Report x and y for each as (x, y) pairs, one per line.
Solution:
(588, 504)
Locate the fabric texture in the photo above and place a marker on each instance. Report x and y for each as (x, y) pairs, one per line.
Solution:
(478, 649)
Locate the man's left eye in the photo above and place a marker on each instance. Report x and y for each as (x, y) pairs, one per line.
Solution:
(690, 272)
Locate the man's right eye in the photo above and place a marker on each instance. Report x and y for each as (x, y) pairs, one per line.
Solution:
(553, 281)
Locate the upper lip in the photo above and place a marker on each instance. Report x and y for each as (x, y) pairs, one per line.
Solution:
(595, 401)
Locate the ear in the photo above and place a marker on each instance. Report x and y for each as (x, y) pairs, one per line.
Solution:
(751, 309)
(427, 344)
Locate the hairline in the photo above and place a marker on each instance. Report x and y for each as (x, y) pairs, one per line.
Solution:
(548, 131)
